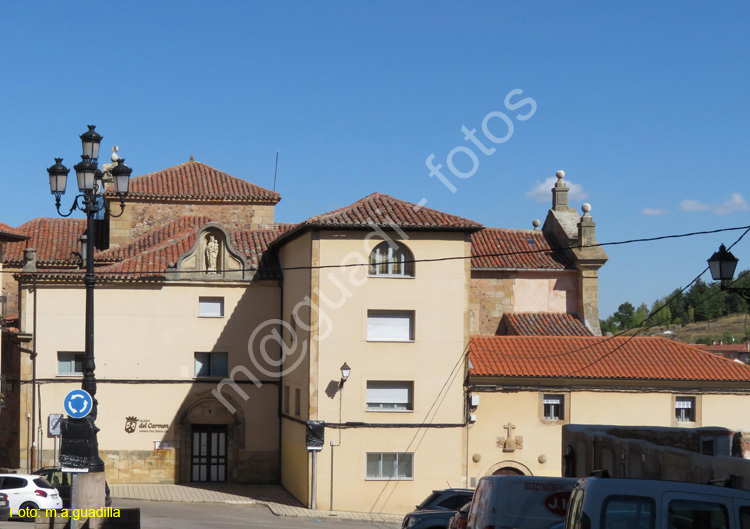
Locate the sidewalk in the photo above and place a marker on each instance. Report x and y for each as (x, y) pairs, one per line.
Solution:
(275, 497)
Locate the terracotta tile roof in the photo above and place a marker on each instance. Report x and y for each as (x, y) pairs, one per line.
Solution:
(542, 324)
(55, 241)
(197, 182)
(384, 210)
(159, 236)
(724, 348)
(638, 358)
(147, 257)
(520, 249)
(151, 263)
(10, 234)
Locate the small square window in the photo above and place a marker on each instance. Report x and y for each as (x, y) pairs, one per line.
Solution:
(390, 396)
(211, 365)
(684, 409)
(554, 407)
(211, 307)
(70, 364)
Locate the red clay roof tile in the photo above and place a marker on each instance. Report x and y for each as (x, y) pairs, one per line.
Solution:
(595, 357)
(55, 241)
(10, 234)
(542, 324)
(384, 211)
(198, 182)
(498, 248)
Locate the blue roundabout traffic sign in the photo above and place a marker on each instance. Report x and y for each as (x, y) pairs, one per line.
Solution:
(78, 404)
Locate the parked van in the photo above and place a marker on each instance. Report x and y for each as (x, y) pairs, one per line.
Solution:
(521, 502)
(615, 503)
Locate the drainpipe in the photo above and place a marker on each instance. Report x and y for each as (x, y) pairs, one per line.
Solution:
(33, 384)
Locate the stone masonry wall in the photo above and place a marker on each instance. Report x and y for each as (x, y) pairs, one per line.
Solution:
(489, 299)
(140, 217)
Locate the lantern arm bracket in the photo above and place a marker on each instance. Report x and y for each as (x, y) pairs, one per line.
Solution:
(744, 292)
(74, 207)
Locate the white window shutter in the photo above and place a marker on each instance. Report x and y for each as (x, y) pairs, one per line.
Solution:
(390, 326)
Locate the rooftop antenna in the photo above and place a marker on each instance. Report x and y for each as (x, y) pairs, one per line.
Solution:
(276, 170)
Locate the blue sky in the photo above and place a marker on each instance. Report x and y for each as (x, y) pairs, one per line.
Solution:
(644, 106)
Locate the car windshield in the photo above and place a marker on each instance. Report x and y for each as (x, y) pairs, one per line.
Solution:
(42, 482)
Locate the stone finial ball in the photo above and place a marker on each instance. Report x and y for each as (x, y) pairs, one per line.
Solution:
(536, 223)
(560, 174)
(586, 208)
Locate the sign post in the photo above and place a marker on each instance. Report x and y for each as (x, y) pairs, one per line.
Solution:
(314, 439)
(75, 432)
(54, 422)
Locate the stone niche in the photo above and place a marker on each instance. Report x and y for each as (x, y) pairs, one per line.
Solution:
(212, 258)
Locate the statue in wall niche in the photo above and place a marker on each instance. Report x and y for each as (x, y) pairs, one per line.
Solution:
(212, 254)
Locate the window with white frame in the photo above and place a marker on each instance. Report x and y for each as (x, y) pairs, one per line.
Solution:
(390, 465)
(391, 259)
(684, 409)
(211, 365)
(70, 364)
(210, 307)
(553, 407)
(390, 325)
(390, 395)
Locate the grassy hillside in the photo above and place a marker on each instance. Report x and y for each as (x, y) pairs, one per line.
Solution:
(737, 326)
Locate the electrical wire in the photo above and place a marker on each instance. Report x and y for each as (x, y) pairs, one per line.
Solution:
(267, 269)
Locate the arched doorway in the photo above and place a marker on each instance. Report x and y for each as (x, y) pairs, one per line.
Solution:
(507, 468)
(209, 439)
(507, 471)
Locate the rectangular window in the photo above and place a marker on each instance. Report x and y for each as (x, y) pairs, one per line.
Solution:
(554, 407)
(390, 396)
(286, 399)
(211, 307)
(387, 465)
(211, 365)
(297, 402)
(390, 325)
(692, 513)
(629, 511)
(684, 409)
(70, 364)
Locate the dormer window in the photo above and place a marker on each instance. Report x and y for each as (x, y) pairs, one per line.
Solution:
(391, 259)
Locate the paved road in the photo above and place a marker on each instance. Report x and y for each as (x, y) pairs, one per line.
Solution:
(167, 515)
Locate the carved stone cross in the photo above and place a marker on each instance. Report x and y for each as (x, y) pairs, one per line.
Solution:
(510, 443)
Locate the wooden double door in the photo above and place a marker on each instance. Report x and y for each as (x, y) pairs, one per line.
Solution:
(209, 453)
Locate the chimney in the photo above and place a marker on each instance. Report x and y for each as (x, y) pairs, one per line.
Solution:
(29, 260)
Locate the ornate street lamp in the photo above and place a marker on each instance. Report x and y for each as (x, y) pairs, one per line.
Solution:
(89, 201)
(722, 265)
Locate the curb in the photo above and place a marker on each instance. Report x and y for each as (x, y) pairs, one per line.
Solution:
(279, 509)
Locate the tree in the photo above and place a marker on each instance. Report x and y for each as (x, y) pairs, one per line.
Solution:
(624, 317)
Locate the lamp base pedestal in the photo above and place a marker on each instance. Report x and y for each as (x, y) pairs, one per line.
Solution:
(87, 492)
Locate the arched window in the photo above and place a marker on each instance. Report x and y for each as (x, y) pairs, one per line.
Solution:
(391, 259)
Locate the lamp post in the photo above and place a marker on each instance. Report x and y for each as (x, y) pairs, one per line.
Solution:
(722, 265)
(90, 200)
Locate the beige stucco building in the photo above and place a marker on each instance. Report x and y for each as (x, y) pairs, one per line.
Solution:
(220, 333)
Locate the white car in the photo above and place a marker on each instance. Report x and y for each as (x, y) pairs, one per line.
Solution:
(28, 493)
